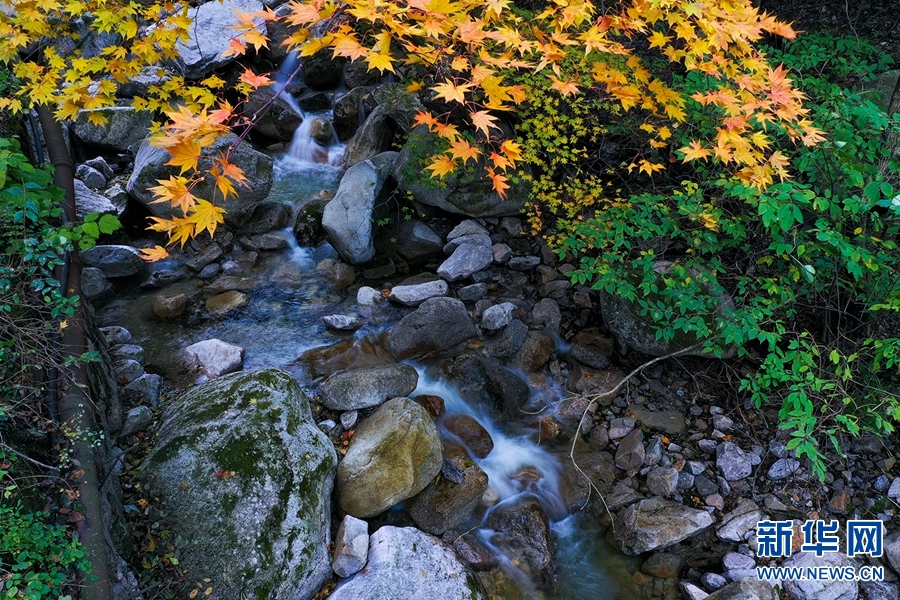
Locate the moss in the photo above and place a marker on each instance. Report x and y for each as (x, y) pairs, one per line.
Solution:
(473, 587)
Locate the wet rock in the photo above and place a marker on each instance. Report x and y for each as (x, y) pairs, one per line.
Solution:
(136, 419)
(745, 589)
(268, 216)
(508, 341)
(465, 228)
(346, 112)
(348, 216)
(207, 48)
(339, 274)
(257, 428)
(534, 352)
(732, 462)
(229, 267)
(150, 165)
(662, 481)
(524, 532)
(115, 334)
(470, 551)
(88, 201)
(417, 241)
(215, 357)
(470, 432)
(343, 322)
(395, 453)
(168, 305)
(414, 295)
(444, 504)
(222, 304)
(433, 404)
(783, 468)
(820, 589)
(115, 261)
(131, 351)
(123, 127)
(523, 263)
(484, 382)
(264, 242)
(94, 283)
(497, 316)
(438, 324)
(740, 522)
(362, 388)
(405, 559)
(210, 271)
(274, 117)
(630, 454)
(657, 523)
(662, 564)
(465, 260)
(351, 546)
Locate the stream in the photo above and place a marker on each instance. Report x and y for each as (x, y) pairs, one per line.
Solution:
(284, 319)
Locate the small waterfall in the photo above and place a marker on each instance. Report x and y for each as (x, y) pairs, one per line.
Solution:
(309, 145)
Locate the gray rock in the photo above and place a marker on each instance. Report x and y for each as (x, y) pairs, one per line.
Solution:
(878, 590)
(820, 589)
(275, 117)
(414, 295)
(722, 423)
(348, 216)
(210, 271)
(215, 357)
(466, 228)
(546, 314)
(395, 453)
(406, 563)
(88, 201)
(131, 351)
(737, 525)
(127, 370)
(349, 419)
(94, 283)
(472, 293)
(417, 241)
(483, 381)
(657, 523)
(662, 481)
(713, 581)
(150, 165)
(362, 388)
(343, 322)
(509, 340)
(100, 165)
(524, 263)
(692, 592)
(745, 589)
(251, 476)
(667, 421)
(620, 427)
(90, 177)
(523, 530)
(894, 490)
(732, 462)
(351, 546)
(136, 419)
(210, 253)
(783, 468)
(734, 560)
(475, 239)
(124, 127)
(883, 91)
(534, 352)
(206, 50)
(347, 111)
(465, 260)
(267, 217)
(438, 324)
(590, 355)
(497, 316)
(630, 454)
(231, 268)
(147, 387)
(115, 334)
(367, 296)
(374, 137)
(892, 549)
(115, 261)
(502, 253)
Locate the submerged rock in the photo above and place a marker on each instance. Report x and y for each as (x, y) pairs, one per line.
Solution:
(438, 324)
(444, 504)
(395, 453)
(406, 563)
(251, 477)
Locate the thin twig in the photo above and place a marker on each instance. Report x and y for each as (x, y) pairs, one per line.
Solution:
(28, 458)
(593, 405)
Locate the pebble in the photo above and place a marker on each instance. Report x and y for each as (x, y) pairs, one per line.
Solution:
(348, 419)
(733, 560)
(620, 427)
(713, 581)
(783, 468)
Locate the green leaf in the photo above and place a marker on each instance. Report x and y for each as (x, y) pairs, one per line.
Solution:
(109, 223)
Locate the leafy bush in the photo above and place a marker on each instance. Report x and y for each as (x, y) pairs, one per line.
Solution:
(811, 262)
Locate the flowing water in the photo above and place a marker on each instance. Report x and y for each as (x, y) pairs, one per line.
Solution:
(283, 320)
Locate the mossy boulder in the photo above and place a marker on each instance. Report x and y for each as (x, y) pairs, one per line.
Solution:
(246, 479)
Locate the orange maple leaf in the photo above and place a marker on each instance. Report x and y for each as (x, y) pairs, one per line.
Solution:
(254, 80)
(441, 166)
(500, 182)
(463, 150)
(154, 254)
(483, 121)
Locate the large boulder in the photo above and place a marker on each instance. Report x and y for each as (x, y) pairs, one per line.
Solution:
(115, 260)
(207, 48)
(394, 111)
(124, 127)
(150, 165)
(406, 563)
(438, 324)
(821, 589)
(657, 523)
(623, 318)
(348, 216)
(249, 477)
(362, 388)
(395, 453)
(472, 196)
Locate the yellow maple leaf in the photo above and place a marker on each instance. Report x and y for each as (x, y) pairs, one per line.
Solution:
(451, 92)
(441, 166)
(206, 217)
(382, 62)
(463, 150)
(154, 254)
